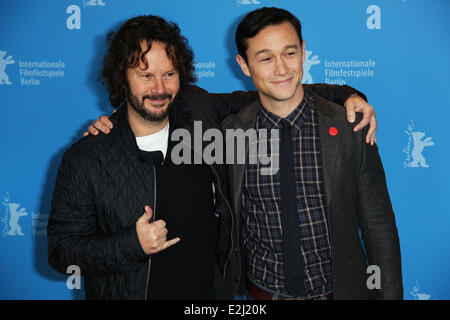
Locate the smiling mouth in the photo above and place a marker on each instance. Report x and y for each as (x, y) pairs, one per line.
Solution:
(281, 82)
(158, 101)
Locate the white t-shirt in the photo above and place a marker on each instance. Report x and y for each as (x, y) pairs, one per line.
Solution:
(156, 141)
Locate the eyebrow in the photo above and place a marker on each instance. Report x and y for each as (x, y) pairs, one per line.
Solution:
(146, 71)
(292, 46)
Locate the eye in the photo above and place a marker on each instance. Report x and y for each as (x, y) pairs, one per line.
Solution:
(265, 59)
(169, 75)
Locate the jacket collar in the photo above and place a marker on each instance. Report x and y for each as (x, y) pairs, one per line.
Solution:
(247, 116)
(124, 133)
(329, 115)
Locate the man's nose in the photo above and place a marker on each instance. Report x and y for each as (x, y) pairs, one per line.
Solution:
(280, 67)
(158, 86)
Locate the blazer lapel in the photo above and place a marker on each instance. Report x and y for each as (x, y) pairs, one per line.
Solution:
(244, 120)
(330, 146)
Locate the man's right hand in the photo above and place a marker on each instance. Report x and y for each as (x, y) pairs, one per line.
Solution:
(152, 236)
(102, 123)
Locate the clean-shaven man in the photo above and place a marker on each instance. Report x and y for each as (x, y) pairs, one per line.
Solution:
(300, 228)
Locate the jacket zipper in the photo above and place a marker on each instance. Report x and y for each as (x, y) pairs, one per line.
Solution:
(153, 219)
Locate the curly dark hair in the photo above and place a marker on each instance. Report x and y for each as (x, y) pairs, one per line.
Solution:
(124, 51)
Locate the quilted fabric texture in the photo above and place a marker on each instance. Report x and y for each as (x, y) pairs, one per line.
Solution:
(102, 186)
(98, 233)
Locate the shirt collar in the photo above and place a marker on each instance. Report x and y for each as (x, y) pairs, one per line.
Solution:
(296, 118)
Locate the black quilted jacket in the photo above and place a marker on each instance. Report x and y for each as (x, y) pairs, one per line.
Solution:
(103, 183)
(98, 233)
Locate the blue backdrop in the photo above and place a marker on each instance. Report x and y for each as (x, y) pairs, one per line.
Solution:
(395, 51)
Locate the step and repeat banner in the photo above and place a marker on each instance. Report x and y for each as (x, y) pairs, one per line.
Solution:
(395, 51)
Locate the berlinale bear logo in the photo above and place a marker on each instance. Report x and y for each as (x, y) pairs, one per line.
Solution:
(13, 213)
(3, 63)
(414, 149)
(309, 62)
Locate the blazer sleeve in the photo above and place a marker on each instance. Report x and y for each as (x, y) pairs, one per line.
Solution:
(377, 223)
(225, 104)
(333, 92)
(72, 234)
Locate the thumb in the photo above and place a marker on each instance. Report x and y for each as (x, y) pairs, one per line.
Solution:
(148, 213)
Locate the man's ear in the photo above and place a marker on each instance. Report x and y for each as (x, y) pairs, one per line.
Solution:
(243, 64)
(303, 51)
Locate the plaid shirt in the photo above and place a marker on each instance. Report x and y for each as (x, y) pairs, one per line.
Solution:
(262, 212)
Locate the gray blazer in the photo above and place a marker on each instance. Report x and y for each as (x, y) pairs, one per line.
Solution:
(360, 217)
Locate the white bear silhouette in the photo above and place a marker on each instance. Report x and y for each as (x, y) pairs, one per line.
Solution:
(3, 63)
(307, 78)
(419, 144)
(14, 216)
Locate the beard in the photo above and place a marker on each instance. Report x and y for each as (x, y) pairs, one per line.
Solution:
(139, 106)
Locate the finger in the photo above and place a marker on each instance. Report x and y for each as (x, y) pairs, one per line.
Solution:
(372, 131)
(105, 121)
(369, 136)
(158, 236)
(162, 233)
(170, 243)
(159, 224)
(350, 110)
(373, 140)
(98, 124)
(364, 121)
(85, 133)
(92, 130)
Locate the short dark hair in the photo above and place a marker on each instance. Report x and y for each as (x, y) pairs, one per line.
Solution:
(124, 51)
(259, 19)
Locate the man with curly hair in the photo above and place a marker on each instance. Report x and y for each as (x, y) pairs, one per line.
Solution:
(138, 225)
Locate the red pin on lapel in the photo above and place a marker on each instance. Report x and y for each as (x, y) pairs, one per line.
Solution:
(333, 131)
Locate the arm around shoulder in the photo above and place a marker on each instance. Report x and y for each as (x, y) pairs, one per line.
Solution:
(333, 92)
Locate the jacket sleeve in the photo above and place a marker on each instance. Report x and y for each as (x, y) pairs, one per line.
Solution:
(333, 92)
(225, 104)
(73, 238)
(229, 103)
(377, 223)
